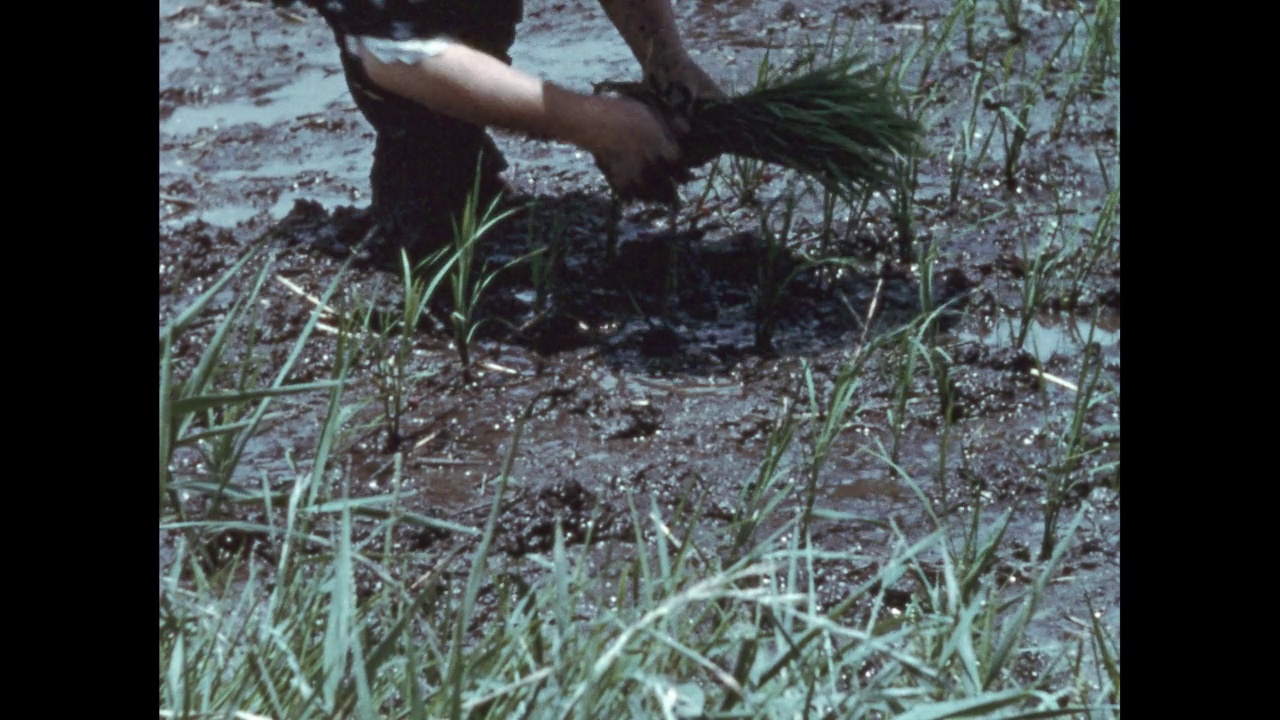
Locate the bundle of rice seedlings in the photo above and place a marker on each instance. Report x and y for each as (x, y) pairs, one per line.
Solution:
(839, 124)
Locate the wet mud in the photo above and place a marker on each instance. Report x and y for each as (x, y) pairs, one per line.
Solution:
(661, 357)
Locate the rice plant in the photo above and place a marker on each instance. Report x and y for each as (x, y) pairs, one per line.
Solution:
(1011, 12)
(830, 419)
(969, 9)
(746, 175)
(675, 625)
(1101, 243)
(772, 275)
(1039, 269)
(963, 160)
(467, 289)
(903, 361)
(398, 337)
(1102, 55)
(222, 402)
(691, 610)
(928, 336)
(839, 124)
(1014, 100)
(546, 260)
(700, 207)
(1062, 469)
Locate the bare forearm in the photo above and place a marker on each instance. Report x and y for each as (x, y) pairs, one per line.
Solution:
(649, 28)
(472, 86)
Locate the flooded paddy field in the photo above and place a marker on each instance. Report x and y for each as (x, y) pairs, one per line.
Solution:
(927, 380)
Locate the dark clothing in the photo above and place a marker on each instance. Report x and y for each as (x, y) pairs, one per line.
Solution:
(424, 163)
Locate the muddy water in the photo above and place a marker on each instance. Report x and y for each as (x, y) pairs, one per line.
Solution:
(648, 387)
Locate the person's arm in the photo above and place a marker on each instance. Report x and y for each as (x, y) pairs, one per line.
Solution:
(630, 143)
(649, 28)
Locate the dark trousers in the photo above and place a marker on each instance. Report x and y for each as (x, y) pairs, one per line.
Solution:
(424, 163)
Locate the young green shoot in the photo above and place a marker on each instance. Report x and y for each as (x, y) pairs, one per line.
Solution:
(467, 289)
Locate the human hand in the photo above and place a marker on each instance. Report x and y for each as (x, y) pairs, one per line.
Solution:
(636, 151)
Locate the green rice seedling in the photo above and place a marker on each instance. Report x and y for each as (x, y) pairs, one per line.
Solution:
(839, 43)
(175, 421)
(315, 647)
(253, 645)
(1106, 655)
(689, 634)
(466, 289)
(1062, 470)
(201, 412)
(1102, 54)
(902, 208)
(926, 262)
(773, 276)
(938, 363)
(979, 653)
(1062, 259)
(929, 49)
(1011, 12)
(959, 632)
(776, 269)
(913, 102)
(839, 124)
(903, 359)
(1040, 268)
(700, 209)
(857, 217)
(1013, 135)
(748, 174)
(1099, 60)
(908, 347)
(1064, 109)
(390, 379)
(1101, 243)
(978, 555)
(1078, 81)
(455, 680)
(771, 279)
(854, 215)
(761, 496)
(831, 419)
(693, 619)
(546, 261)
(398, 337)
(1102, 164)
(969, 10)
(1014, 124)
(938, 360)
(745, 178)
(962, 161)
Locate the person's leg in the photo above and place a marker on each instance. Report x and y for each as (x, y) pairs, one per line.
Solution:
(421, 177)
(424, 163)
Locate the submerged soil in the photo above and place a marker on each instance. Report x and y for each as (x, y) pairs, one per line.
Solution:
(655, 372)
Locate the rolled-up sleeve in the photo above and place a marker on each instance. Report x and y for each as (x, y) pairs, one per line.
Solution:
(394, 31)
(409, 52)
